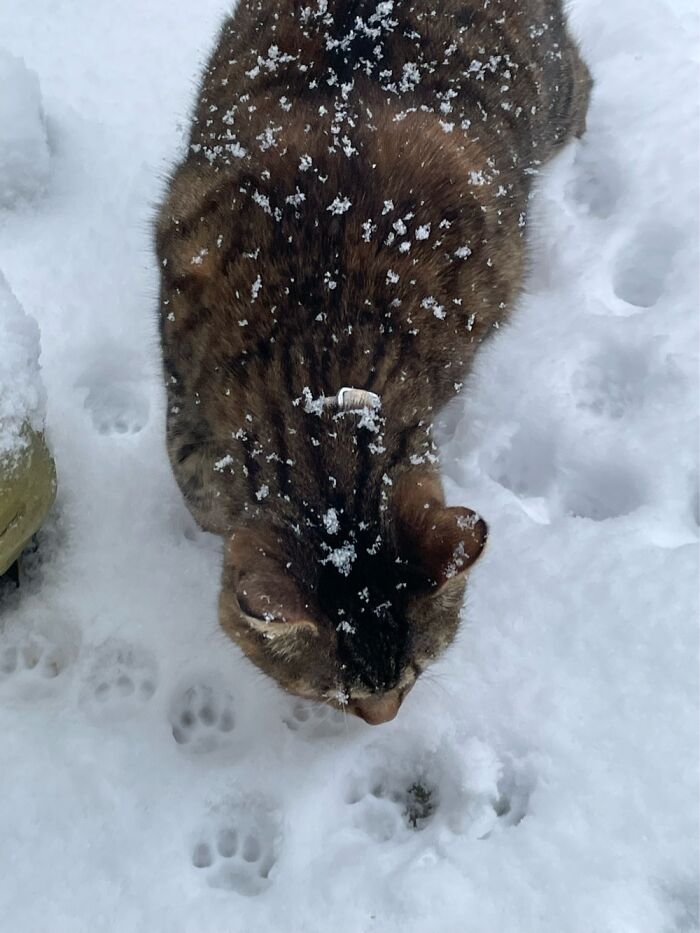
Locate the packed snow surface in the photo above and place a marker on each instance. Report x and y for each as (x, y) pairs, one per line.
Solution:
(24, 151)
(21, 396)
(543, 778)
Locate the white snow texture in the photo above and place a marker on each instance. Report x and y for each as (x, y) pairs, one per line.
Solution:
(24, 153)
(543, 778)
(21, 395)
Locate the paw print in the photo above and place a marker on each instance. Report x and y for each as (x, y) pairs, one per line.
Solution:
(620, 379)
(35, 654)
(121, 408)
(237, 850)
(116, 392)
(472, 793)
(202, 717)
(389, 804)
(31, 663)
(527, 463)
(122, 679)
(315, 720)
(600, 491)
(644, 264)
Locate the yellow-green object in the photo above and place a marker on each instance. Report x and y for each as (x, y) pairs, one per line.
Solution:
(27, 492)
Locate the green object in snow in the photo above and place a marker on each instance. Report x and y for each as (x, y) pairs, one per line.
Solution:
(27, 492)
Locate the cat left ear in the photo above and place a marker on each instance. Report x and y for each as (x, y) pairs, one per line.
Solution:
(191, 242)
(440, 542)
(267, 595)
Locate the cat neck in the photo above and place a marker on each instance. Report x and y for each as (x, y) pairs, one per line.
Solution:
(337, 468)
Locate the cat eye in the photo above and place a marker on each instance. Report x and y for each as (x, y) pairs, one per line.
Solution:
(268, 618)
(249, 612)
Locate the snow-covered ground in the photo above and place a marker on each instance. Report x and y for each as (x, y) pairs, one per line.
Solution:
(24, 151)
(21, 395)
(544, 779)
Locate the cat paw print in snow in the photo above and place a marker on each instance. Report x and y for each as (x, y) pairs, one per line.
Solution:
(122, 679)
(316, 720)
(238, 846)
(644, 264)
(387, 804)
(31, 663)
(117, 409)
(471, 793)
(202, 718)
(116, 392)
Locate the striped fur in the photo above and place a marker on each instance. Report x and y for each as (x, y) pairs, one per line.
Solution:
(351, 212)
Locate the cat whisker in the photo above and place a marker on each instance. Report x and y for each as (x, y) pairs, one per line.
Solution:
(435, 680)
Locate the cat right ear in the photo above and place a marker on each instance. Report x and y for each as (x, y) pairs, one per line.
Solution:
(268, 597)
(441, 543)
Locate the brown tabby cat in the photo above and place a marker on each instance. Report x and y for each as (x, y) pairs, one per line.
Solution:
(350, 214)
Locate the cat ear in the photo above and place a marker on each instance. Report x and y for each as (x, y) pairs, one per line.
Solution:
(190, 231)
(268, 596)
(440, 542)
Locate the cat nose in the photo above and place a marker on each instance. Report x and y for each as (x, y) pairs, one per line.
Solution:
(376, 710)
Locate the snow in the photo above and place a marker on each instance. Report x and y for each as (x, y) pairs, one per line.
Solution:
(339, 205)
(544, 777)
(24, 152)
(21, 394)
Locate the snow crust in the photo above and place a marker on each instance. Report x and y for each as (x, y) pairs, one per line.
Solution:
(24, 151)
(21, 394)
(544, 777)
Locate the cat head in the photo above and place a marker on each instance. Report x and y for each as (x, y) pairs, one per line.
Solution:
(352, 617)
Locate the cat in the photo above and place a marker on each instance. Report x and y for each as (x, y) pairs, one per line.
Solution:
(346, 229)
